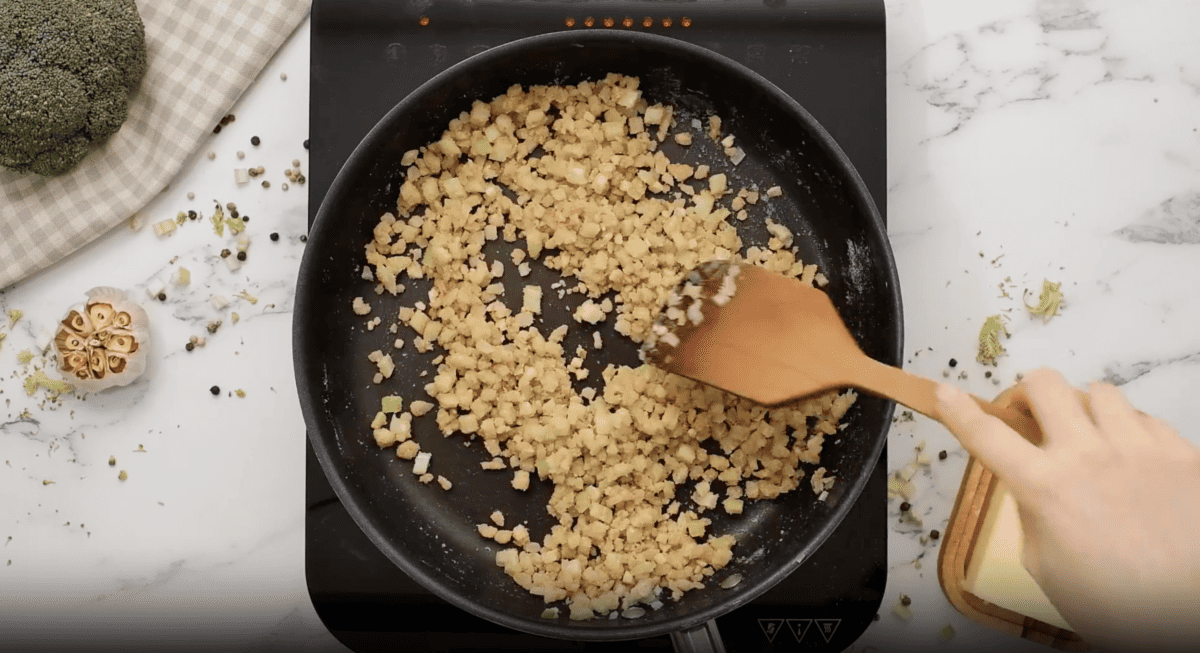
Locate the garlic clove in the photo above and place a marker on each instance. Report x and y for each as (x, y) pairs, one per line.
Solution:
(101, 315)
(78, 322)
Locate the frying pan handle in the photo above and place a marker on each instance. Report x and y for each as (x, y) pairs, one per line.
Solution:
(702, 638)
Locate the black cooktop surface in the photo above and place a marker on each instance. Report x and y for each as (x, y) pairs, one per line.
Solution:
(367, 55)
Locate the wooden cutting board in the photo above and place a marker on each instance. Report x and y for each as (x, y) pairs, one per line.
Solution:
(980, 570)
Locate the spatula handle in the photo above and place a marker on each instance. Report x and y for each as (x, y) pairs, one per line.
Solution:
(919, 394)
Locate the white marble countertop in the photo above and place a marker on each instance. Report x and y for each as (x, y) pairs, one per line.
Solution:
(1027, 140)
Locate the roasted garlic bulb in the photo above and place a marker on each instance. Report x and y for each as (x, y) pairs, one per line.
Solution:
(103, 342)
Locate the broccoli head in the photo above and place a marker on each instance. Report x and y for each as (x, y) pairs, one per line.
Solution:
(67, 68)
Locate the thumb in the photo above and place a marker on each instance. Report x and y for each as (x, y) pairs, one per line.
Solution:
(1000, 449)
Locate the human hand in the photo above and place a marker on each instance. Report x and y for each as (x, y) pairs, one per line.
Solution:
(1109, 506)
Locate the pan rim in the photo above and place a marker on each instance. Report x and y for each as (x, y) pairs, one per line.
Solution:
(334, 466)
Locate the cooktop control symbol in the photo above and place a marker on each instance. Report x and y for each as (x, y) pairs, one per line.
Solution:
(798, 627)
(827, 627)
(770, 627)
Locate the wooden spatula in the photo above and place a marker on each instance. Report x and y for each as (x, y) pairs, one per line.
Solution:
(773, 339)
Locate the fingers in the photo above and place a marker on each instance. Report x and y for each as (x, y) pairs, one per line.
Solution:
(1117, 420)
(999, 448)
(1058, 410)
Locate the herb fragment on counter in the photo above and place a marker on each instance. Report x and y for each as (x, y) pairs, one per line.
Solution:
(248, 297)
(240, 393)
(25, 356)
(122, 476)
(112, 461)
(183, 277)
(47, 482)
(989, 340)
(946, 634)
(234, 317)
(1048, 301)
(218, 221)
(140, 449)
(235, 226)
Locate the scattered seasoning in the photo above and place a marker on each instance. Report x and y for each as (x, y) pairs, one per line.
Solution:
(190, 346)
(946, 634)
(14, 315)
(266, 184)
(303, 238)
(275, 235)
(213, 326)
(284, 186)
(122, 476)
(283, 76)
(1048, 301)
(989, 339)
(905, 601)
(215, 390)
(934, 534)
(225, 253)
(217, 129)
(306, 143)
(47, 482)
(905, 506)
(241, 256)
(162, 296)
(245, 218)
(253, 172)
(254, 140)
(241, 154)
(953, 362)
(942, 454)
(240, 393)
(191, 196)
(211, 155)
(296, 163)
(192, 214)
(233, 213)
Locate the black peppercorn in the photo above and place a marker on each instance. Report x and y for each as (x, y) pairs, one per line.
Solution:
(274, 236)
(245, 218)
(905, 506)
(933, 534)
(303, 238)
(192, 215)
(190, 346)
(254, 140)
(306, 143)
(234, 214)
(225, 253)
(162, 296)
(217, 129)
(241, 256)
(905, 601)
(953, 362)
(942, 454)
(987, 374)
(215, 390)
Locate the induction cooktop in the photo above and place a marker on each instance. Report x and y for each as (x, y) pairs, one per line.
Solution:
(367, 55)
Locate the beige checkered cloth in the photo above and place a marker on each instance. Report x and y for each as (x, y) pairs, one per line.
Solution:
(202, 54)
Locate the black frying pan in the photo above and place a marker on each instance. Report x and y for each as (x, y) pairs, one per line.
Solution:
(430, 534)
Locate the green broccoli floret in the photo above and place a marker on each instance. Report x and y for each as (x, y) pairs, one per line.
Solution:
(67, 68)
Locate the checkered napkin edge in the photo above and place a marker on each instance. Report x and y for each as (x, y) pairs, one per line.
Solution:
(202, 55)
